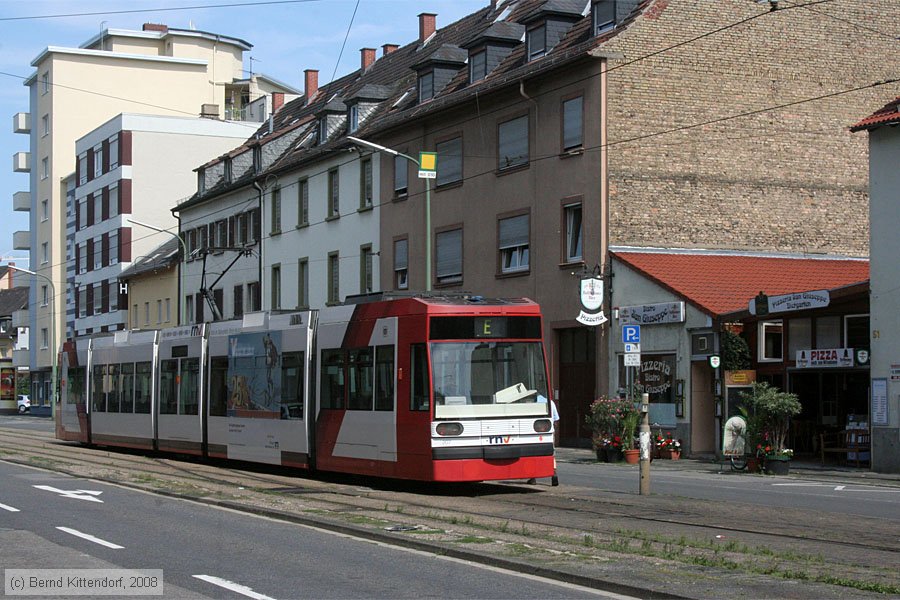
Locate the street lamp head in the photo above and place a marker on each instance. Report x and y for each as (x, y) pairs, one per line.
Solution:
(372, 145)
(15, 268)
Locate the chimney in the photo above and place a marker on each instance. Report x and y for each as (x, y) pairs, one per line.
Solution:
(277, 101)
(366, 57)
(312, 83)
(9, 276)
(426, 26)
(155, 27)
(388, 48)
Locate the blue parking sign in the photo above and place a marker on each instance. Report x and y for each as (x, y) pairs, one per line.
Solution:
(631, 334)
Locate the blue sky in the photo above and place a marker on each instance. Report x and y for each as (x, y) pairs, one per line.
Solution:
(288, 37)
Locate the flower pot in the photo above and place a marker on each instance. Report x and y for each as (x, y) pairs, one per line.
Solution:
(670, 454)
(633, 456)
(752, 464)
(601, 455)
(613, 455)
(777, 466)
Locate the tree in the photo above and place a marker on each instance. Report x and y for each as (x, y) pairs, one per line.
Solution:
(735, 352)
(774, 409)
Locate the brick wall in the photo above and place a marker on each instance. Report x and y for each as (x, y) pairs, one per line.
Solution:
(792, 179)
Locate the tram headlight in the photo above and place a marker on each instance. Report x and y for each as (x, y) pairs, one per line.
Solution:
(542, 425)
(449, 429)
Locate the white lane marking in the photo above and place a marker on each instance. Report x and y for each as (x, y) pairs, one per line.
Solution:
(839, 488)
(77, 494)
(91, 538)
(234, 587)
(9, 508)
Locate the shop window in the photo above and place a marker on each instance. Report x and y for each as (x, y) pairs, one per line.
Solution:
(856, 331)
(799, 336)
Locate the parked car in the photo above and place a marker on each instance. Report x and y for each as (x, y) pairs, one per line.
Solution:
(24, 404)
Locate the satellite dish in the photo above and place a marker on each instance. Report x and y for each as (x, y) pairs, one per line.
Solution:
(733, 440)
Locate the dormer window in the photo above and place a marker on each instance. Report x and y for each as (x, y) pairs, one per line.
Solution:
(426, 86)
(603, 16)
(201, 181)
(229, 172)
(257, 159)
(353, 118)
(477, 66)
(537, 42)
(323, 129)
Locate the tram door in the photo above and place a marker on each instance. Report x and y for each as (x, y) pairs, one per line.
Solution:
(179, 423)
(72, 417)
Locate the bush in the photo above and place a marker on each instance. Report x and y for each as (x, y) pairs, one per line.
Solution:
(774, 410)
(735, 352)
(612, 418)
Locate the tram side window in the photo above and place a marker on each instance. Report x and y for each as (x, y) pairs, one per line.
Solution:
(98, 394)
(112, 388)
(292, 385)
(361, 379)
(143, 373)
(384, 378)
(75, 386)
(418, 380)
(168, 402)
(218, 387)
(332, 379)
(189, 401)
(126, 387)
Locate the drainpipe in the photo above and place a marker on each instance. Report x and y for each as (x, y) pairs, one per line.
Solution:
(259, 191)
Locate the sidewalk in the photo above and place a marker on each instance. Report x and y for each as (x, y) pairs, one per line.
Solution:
(803, 468)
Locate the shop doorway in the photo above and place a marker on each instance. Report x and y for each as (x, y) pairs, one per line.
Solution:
(703, 409)
(833, 400)
(577, 352)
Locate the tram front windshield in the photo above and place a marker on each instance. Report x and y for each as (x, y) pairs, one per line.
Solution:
(489, 379)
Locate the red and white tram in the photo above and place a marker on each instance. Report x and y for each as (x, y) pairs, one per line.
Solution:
(436, 388)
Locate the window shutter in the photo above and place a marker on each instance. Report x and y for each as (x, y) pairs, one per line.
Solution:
(449, 253)
(513, 232)
(401, 254)
(514, 142)
(572, 112)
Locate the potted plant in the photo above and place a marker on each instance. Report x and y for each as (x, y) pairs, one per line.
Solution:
(607, 422)
(773, 410)
(629, 427)
(669, 447)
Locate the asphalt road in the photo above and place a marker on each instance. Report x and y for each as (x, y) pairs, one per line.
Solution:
(49, 520)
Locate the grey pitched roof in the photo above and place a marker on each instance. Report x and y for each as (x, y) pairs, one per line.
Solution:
(162, 257)
(13, 299)
(501, 31)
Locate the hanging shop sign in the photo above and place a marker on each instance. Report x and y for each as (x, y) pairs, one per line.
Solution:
(591, 301)
(827, 357)
(762, 305)
(652, 314)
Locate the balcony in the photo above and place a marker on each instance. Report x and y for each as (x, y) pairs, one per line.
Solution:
(20, 318)
(22, 162)
(21, 358)
(22, 123)
(22, 240)
(22, 201)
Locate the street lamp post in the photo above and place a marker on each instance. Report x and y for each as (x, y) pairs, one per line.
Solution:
(53, 348)
(183, 318)
(393, 152)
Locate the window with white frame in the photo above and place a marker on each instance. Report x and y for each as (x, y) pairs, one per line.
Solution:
(45, 125)
(98, 160)
(323, 129)
(113, 295)
(448, 256)
(45, 82)
(98, 207)
(45, 296)
(450, 161)
(159, 311)
(603, 16)
(512, 143)
(98, 252)
(82, 258)
(771, 341)
(82, 168)
(82, 301)
(353, 120)
(168, 310)
(98, 298)
(135, 318)
(254, 298)
(401, 264)
(188, 308)
(114, 152)
(303, 203)
(513, 237)
(365, 268)
(146, 313)
(113, 200)
(221, 233)
(365, 183)
(45, 252)
(83, 214)
(572, 230)
(45, 168)
(334, 275)
(45, 209)
(114, 247)
(45, 339)
(537, 42)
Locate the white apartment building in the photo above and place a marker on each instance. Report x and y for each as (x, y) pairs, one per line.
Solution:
(132, 166)
(159, 70)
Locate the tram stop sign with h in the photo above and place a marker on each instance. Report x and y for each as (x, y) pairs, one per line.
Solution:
(427, 165)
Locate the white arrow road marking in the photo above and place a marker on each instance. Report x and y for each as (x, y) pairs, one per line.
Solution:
(839, 488)
(9, 508)
(91, 538)
(234, 587)
(77, 494)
